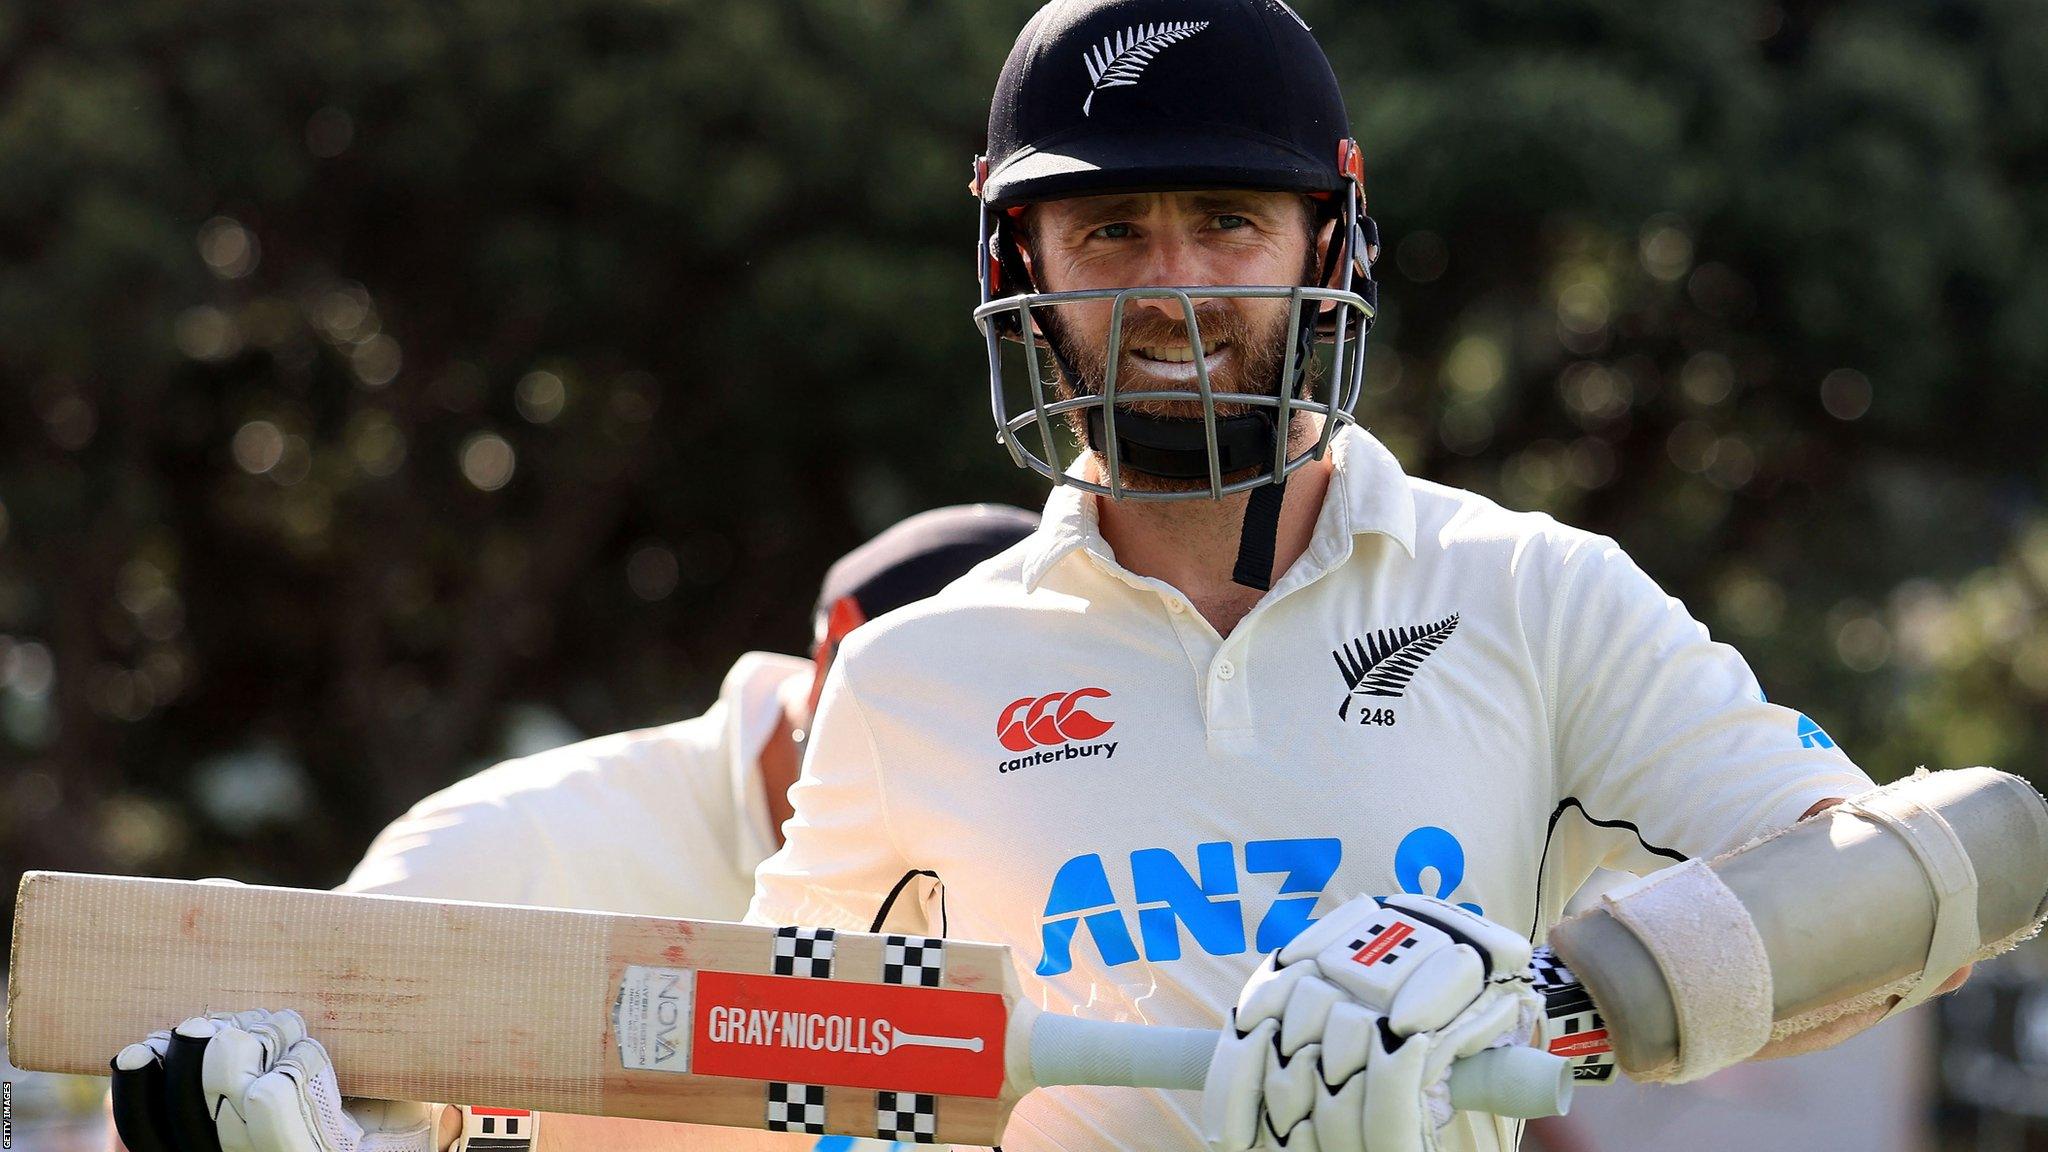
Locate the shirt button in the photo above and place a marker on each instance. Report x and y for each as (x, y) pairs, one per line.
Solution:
(1176, 606)
(1225, 670)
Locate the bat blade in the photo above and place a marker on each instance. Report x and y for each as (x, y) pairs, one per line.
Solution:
(550, 1009)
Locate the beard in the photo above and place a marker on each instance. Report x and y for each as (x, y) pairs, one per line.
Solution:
(1256, 348)
(1256, 351)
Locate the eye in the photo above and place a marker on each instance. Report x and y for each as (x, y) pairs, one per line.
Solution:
(1227, 222)
(1112, 232)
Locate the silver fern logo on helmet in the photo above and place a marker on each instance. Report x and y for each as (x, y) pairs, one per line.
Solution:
(1282, 5)
(1119, 60)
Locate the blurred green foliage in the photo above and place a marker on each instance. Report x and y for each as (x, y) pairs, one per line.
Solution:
(370, 370)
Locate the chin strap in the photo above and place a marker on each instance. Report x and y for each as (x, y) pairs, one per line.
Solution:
(1178, 449)
(1256, 541)
(1175, 448)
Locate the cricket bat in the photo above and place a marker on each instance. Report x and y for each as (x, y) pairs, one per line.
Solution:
(810, 1030)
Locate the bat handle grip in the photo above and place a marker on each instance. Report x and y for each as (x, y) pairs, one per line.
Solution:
(1517, 1081)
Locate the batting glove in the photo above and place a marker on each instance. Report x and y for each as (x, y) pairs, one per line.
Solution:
(251, 1082)
(1343, 1040)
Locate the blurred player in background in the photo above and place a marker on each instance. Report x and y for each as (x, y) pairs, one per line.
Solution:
(666, 821)
(671, 821)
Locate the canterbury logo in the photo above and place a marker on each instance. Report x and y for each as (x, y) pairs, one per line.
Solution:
(1383, 663)
(1120, 59)
(1051, 720)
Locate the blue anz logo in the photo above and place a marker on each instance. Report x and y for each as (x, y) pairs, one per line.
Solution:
(1170, 898)
(1432, 849)
(1203, 904)
(1812, 735)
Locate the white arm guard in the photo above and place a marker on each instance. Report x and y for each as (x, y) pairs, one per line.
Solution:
(1889, 894)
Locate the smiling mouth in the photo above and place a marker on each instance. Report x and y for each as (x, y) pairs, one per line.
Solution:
(1179, 353)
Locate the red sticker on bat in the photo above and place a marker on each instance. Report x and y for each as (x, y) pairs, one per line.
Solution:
(1581, 1044)
(857, 1035)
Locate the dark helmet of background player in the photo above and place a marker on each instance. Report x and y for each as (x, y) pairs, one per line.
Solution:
(1110, 96)
(908, 562)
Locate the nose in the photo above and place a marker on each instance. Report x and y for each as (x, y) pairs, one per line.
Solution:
(1172, 260)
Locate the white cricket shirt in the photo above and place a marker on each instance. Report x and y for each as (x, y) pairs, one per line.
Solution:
(1441, 696)
(666, 821)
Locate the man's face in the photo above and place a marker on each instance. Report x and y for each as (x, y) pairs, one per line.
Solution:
(1173, 239)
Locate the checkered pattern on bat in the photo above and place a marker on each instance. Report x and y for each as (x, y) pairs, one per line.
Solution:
(1569, 1012)
(804, 952)
(912, 1117)
(499, 1130)
(796, 1107)
(1548, 971)
(915, 960)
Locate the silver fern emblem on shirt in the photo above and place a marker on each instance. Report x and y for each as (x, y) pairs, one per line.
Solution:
(1382, 663)
(1120, 59)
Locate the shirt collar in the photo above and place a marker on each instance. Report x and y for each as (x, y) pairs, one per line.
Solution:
(1368, 493)
(752, 709)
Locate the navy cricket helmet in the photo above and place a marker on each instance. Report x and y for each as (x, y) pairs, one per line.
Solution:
(1101, 97)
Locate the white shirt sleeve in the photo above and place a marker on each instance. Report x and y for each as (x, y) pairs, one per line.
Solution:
(1665, 746)
(839, 863)
(456, 847)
